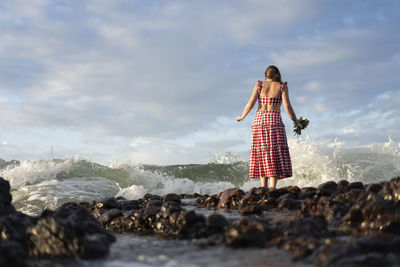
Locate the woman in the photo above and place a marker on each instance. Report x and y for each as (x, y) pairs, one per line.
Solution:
(269, 153)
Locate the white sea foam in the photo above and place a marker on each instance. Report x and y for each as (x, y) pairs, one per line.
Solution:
(47, 184)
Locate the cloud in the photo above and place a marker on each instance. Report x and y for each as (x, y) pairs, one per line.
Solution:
(164, 72)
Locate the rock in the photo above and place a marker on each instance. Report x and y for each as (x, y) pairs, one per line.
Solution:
(5, 198)
(109, 215)
(308, 189)
(216, 223)
(314, 226)
(304, 195)
(154, 203)
(330, 186)
(129, 204)
(247, 233)
(278, 192)
(288, 204)
(249, 199)
(230, 198)
(391, 189)
(210, 201)
(356, 185)
(13, 254)
(173, 197)
(368, 217)
(267, 203)
(250, 209)
(379, 250)
(109, 203)
(373, 188)
(348, 198)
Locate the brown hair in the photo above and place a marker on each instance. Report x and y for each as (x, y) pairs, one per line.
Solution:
(273, 73)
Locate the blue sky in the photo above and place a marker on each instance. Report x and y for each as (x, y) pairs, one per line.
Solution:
(163, 81)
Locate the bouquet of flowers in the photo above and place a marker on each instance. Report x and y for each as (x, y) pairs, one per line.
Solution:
(304, 123)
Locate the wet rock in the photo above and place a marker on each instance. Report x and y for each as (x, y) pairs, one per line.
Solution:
(51, 238)
(315, 226)
(109, 215)
(230, 198)
(247, 233)
(343, 184)
(154, 203)
(250, 209)
(308, 189)
(13, 254)
(249, 199)
(172, 196)
(258, 191)
(373, 188)
(267, 203)
(216, 223)
(288, 204)
(278, 192)
(5, 198)
(188, 196)
(391, 189)
(348, 198)
(147, 197)
(13, 227)
(329, 186)
(356, 185)
(305, 195)
(378, 250)
(301, 246)
(129, 204)
(109, 203)
(210, 201)
(368, 217)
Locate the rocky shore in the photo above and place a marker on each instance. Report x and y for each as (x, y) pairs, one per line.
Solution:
(334, 224)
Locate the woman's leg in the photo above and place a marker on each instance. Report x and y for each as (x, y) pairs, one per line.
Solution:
(273, 182)
(264, 181)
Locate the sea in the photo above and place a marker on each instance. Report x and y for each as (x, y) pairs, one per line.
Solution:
(40, 184)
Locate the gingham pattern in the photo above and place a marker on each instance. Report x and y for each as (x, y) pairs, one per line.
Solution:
(269, 100)
(269, 153)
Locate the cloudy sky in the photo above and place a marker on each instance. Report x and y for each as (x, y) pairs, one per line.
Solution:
(163, 81)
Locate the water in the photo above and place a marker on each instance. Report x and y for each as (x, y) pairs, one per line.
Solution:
(36, 185)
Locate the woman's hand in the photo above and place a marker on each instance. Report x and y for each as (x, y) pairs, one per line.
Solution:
(299, 126)
(240, 117)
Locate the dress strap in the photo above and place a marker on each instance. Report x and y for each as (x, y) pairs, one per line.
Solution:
(283, 86)
(259, 84)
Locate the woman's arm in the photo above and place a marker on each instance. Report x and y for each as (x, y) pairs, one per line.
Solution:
(288, 107)
(250, 104)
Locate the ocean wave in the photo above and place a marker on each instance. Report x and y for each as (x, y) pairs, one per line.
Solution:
(47, 184)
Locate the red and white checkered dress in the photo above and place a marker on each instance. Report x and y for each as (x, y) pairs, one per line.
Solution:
(269, 153)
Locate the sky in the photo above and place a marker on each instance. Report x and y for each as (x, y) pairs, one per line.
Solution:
(162, 82)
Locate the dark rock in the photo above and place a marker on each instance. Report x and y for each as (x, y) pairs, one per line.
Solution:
(129, 204)
(267, 203)
(109, 203)
(315, 226)
(373, 188)
(149, 196)
(342, 184)
(391, 189)
(230, 198)
(258, 191)
(278, 192)
(308, 189)
(13, 254)
(288, 204)
(379, 250)
(356, 185)
(5, 198)
(248, 233)
(251, 209)
(301, 246)
(172, 196)
(348, 198)
(304, 195)
(109, 215)
(328, 186)
(249, 199)
(368, 217)
(216, 223)
(210, 201)
(154, 203)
